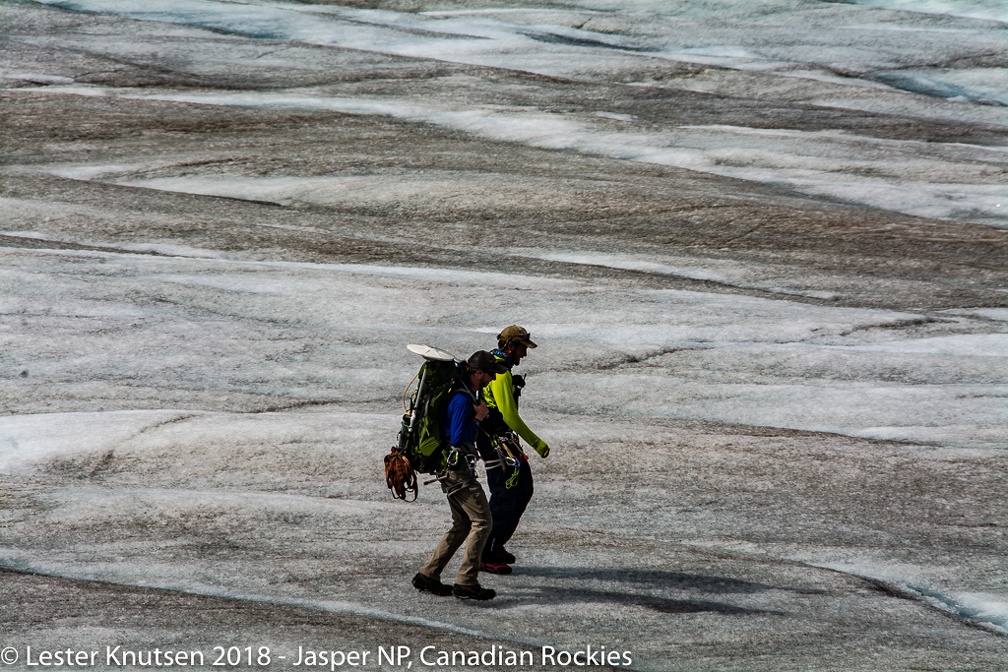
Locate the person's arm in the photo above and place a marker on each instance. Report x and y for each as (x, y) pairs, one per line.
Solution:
(502, 388)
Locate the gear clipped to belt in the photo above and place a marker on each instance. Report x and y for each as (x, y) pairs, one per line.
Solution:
(511, 455)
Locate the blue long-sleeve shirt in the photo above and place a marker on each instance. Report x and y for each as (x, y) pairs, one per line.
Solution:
(459, 424)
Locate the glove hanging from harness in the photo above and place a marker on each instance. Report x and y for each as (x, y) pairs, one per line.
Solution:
(400, 475)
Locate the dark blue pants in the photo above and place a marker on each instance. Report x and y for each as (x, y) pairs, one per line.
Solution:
(507, 504)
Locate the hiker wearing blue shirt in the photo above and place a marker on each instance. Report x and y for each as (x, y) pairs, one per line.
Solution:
(471, 518)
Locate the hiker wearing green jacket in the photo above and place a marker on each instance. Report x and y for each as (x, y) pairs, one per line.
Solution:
(509, 475)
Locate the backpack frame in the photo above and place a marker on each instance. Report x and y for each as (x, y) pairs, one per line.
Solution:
(420, 446)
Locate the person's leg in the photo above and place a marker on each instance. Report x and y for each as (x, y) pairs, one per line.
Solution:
(450, 543)
(473, 502)
(500, 506)
(518, 499)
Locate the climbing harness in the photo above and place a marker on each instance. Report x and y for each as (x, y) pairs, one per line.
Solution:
(511, 455)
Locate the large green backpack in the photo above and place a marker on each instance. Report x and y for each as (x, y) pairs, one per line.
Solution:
(421, 447)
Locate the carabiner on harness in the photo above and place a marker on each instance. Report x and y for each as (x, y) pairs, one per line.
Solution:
(509, 450)
(512, 480)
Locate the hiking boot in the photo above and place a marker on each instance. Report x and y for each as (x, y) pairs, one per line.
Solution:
(495, 568)
(425, 585)
(500, 556)
(474, 593)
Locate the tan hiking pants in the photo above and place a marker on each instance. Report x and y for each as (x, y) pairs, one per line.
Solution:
(470, 519)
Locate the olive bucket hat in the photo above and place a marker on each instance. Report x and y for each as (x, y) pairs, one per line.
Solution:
(516, 334)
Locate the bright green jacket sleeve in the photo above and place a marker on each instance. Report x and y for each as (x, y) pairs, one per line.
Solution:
(499, 394)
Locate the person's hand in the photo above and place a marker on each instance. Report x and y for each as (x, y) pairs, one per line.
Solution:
(481, 410)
